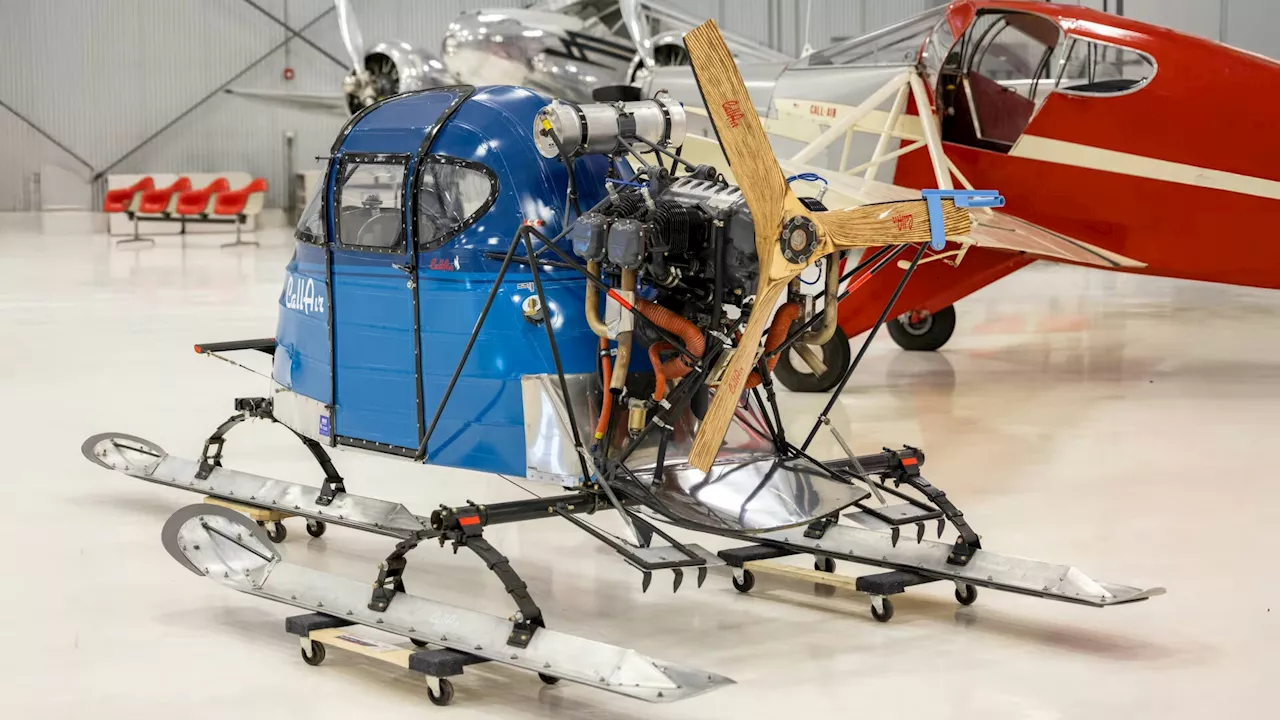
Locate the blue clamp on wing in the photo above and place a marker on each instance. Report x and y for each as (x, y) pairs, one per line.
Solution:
(963, 198)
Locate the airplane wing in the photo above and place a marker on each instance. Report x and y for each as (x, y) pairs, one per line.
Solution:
(991, 228)
(336, 102)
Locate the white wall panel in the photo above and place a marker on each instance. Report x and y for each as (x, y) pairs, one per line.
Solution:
(103, 75)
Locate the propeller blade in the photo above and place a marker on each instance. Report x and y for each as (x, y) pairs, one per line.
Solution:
(891, 223)
(350, 30)
(741, 134)
(715, 423)
(638, 28)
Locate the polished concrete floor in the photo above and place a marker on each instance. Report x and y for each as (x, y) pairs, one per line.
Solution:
(1120, 423)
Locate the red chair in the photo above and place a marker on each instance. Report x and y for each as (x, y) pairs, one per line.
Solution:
(240, 204)
(162, 200)
(122, 199)
(199, 202)
(126, 200)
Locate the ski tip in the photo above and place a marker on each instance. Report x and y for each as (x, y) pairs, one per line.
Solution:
(220, 543)
(120, 451)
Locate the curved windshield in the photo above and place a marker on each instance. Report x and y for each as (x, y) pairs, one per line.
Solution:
(452, 194)
(311, 227)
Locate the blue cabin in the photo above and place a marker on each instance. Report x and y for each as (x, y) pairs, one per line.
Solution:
(394, 260)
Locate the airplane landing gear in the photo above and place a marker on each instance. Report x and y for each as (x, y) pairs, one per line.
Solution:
(921, 330)
(797, 376)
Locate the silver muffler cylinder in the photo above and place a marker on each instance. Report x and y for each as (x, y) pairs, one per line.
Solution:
(595, 128)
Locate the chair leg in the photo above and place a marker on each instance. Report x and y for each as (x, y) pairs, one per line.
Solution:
(239, 222)
(136, 238)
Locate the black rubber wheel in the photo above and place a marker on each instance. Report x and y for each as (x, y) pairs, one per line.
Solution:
(278, 532)
(799, 378)
(548, 679)
(317, 654)
(825, 564)
(446, 693)
(316, 528)
(748, 582)
(418, 643)
(969, 596)
(926, 332)
(885, 616)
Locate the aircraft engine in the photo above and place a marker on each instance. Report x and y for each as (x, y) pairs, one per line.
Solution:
(392, 68)
(660, 229)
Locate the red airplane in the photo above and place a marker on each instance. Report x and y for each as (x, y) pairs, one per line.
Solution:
(1106, 133)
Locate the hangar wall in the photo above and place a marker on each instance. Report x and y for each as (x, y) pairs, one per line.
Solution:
(102, 78)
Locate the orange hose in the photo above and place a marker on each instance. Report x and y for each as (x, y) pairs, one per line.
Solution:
(681, 326)
(660, 377)
(782, 321)
(606, 406)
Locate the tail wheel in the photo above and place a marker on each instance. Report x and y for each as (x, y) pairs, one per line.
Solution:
(797, 376)
(923, 331)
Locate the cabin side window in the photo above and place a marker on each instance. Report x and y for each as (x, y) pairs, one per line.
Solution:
(452, 194)
(1094, 68)
(370, 193)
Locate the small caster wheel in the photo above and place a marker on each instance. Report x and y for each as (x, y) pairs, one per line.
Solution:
(278, 532)
(748, 582)
(548, 679)
(446, 693)
(317, 654)
(825, 564)
(316, 528)
(968, 595)
(884, 615)
(418, 643)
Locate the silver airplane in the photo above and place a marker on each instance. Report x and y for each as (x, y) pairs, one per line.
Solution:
(567, 48)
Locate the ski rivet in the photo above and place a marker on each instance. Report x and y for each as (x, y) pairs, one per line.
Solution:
(515, 656)
(319, 604)
(444, 638)
(350, 613)
(478, 647)
(817, 546)
(660, 693)
(379, 621)
(253, 497)
(226, 574)
(546, 665)
(196, 547)
(295, 507)
(293, 597)
(412, 629)
(239, 536)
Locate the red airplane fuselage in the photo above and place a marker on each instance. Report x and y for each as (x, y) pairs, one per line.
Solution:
(1181, 173)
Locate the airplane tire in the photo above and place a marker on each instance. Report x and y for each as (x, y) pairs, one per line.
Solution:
(927, 333)
(797, 377)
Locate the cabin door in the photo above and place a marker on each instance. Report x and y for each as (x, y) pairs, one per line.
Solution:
(375, 372)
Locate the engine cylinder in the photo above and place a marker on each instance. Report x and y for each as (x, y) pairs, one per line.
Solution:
(594, 129)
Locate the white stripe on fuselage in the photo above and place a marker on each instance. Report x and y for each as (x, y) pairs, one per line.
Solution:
(1033, 147)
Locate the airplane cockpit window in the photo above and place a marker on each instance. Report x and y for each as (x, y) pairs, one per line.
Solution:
(898, 44)
(370, 209)
(311, 226)
(452, 194)
(937, 51)
(1005, 70)
(1094, 68)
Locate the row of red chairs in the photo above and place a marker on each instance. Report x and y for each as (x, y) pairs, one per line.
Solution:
(215, 202)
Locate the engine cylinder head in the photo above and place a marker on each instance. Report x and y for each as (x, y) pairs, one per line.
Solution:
(595, 128)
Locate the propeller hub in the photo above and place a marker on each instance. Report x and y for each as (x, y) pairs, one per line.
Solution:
(799, 239)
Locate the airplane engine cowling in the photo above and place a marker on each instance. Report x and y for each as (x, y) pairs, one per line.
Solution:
(397, 67)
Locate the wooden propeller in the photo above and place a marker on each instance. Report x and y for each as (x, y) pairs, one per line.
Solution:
(788, 236)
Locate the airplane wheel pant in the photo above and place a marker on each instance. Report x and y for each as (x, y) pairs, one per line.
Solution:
(926, 334)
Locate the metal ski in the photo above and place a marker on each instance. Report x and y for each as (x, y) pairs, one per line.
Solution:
(146, 460)
(228, 547)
